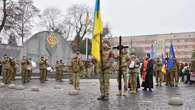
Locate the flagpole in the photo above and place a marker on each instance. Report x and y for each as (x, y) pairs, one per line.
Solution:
(86, 48)
(101, 57)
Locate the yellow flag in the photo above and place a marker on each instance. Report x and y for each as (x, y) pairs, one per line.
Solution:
(163, 69)
(97, 30)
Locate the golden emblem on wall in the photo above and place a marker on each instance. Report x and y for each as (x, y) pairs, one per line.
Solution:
(52, 40)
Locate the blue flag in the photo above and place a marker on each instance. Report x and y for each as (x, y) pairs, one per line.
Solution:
(170, 62)
(163, 60)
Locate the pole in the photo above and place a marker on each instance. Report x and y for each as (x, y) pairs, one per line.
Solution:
(87, 48)
(120, 69)
(101, 58)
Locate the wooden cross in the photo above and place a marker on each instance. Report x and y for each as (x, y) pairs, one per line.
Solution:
(120, 47)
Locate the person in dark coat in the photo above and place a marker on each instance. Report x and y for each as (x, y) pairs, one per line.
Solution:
(147, 76)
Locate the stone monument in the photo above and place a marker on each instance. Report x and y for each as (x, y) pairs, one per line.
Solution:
(48, 44)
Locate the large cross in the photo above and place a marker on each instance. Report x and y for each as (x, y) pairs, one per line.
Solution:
(120, 47)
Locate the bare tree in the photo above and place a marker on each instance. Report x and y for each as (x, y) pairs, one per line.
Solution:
(79, 23)
(26, 12)
(106, 31)
(19, 15)
(4, 15)
(50, 19)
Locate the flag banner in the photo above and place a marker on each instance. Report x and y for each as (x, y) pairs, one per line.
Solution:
(97, 30)
(170, 62)
(163, 63)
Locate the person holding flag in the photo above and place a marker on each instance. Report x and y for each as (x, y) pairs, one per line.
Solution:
(101, 53)
(173, 67)
(163, 70)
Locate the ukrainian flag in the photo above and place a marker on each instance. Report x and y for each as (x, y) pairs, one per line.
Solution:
(163, 63)
(97, 30)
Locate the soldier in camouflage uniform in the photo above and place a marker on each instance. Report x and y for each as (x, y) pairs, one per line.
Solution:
(6, 70)
(29, 68)
(175, 72)
(61, 71)
(124, 66)
(158, 72)
(76, 69)
(57, 70)
(42, 69)
(24, 70)
(13, 65)
(104, 75)
(47, 65)
(133, 71)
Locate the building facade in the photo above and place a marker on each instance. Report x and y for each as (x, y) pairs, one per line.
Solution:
(183, 44)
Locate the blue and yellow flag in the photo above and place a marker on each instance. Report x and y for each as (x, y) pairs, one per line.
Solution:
(97, 30)
(163, 63)
(170, 62)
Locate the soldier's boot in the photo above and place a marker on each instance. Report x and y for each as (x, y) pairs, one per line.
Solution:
(100, 98)
(106, 98)
(119, 94)
(6, 82)
(160, 84)
(135, 92)
(125, 93)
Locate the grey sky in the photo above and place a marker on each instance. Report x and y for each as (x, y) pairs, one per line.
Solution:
(138, 17)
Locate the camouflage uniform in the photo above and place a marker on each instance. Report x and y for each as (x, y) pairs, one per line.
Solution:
(175, 71)
(76, 69)
(42, 69)
(158, 72)
(124, 68)
(61, 71)
(29, 69)
(104, 76)
(133, 71)
(6, 70)
(57, 70)
(13, 67)
(24, 70)
(46, 74)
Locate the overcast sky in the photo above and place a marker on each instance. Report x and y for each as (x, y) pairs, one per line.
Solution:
(138, 17)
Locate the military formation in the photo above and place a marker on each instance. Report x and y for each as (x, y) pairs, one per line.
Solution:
(9, 69)
(135, 73)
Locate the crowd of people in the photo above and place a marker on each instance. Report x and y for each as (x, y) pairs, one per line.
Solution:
(134, 72)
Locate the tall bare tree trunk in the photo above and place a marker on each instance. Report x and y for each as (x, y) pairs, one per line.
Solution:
(4, 15)
(22, 34)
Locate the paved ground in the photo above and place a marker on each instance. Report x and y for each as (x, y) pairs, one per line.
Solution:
(49, 98)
